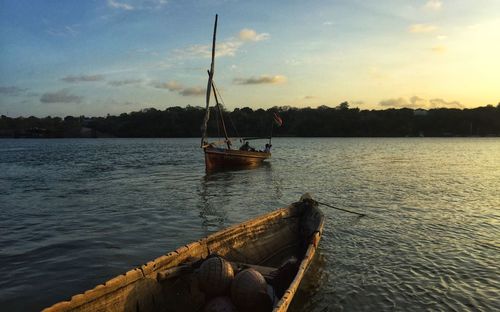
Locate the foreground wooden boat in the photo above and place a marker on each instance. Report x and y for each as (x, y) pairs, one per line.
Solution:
(169, 283)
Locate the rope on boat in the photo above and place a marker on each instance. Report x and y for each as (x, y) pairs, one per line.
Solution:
(359, 214)
(228, 114)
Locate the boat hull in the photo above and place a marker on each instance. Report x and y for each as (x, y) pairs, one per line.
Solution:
(216, 158)
(266, 240)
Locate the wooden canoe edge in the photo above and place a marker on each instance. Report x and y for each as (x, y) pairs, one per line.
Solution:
(150, 270)
(285, 301)
(98, 291)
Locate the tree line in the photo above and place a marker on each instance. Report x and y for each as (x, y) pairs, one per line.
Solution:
(323, 121)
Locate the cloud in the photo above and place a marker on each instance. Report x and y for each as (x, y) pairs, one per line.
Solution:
(227, 47)
(310, 97)
(155, 4)
(61, 96)
(118, 83)
(196, 91)
(418, 102)
(138, 4)
(247, 34)
(63, 32)
(174, 86)
(82, 78)
(120, 5)
(434, 5)
(422, 28)
(12, 91)
(277, 79)
(399, 102)
(435, 103)
(170, 85)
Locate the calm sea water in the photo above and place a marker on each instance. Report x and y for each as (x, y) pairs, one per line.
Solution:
(75, 213)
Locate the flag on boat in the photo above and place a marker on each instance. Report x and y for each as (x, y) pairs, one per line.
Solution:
(278, 120)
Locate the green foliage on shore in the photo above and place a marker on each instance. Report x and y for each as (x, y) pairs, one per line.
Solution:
(324, 121)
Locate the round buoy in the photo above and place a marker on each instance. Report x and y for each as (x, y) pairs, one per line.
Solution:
(215, 276)
(249, 291)
(220, 304)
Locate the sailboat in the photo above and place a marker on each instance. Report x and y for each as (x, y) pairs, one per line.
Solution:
(221, 154)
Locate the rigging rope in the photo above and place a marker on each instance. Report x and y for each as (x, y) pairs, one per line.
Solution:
(228, 115)
(218, 125)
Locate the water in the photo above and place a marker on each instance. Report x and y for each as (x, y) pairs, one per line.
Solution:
(75, 213)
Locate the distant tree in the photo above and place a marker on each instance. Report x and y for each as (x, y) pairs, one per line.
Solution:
(343, 105)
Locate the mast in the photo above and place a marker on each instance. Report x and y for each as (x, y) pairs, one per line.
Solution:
(209, 87)
(221, 116)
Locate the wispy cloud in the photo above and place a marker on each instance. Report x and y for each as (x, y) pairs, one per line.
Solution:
(398, 102)
(65, 31)
(310, 97)
(137, 4)
(156, 4)
(175, 86)
(120, 5)
(227, 47)
(277, 79)
(434, 5)
(118, 83)
(422, 28)
(12, 91)
(418, 102)
(82, 78)
(435, 103)
(194, 91)
(247, 34)
(170, 85)
(61, 96)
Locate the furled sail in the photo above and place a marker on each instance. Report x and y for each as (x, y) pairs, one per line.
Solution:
(209, 87)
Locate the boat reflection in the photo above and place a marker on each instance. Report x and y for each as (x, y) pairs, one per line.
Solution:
(237, 167)
(218, 190)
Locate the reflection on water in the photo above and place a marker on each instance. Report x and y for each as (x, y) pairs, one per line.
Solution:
(78, 212)
(220, 188)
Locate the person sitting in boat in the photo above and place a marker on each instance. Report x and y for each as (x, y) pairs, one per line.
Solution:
(268, 148)
(245, 147)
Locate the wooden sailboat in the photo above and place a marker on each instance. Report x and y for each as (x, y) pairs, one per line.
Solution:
(221, 154)
(172, 282)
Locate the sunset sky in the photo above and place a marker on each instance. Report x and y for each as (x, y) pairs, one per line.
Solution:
(73, 57)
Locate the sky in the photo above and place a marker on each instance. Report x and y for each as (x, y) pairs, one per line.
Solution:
(98, 57)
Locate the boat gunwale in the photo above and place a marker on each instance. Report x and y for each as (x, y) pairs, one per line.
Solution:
(287, 297)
